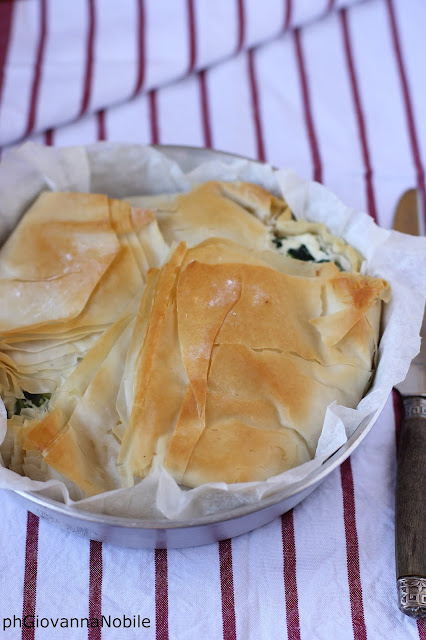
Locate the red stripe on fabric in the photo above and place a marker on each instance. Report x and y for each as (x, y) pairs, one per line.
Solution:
(30, 575)
(241, 24)
(368, 172)
(352, 552)
(316, 159)
(227, 590)
(260, 147)
(290, 581)
(95, 587)
(161, 595)
(287, 14)
(330, 5)
(421, 628)
(6, 13)
(207, 134)
(141, 47)
(398, 410)
(87, 88)
(100, 116)
(192, 36)
(32, 114)
(48, 137)
(407, 103)
(153, 117)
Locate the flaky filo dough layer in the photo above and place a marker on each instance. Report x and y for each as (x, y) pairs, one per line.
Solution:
(244, 360)
(192, 341)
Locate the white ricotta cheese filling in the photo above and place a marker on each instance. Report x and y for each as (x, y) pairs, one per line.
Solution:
(314, 245)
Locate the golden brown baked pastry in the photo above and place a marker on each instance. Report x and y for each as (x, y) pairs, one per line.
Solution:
(208, 329)
(250, 357)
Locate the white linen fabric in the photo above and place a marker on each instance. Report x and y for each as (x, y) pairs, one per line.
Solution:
(336, 92)
(65, 59)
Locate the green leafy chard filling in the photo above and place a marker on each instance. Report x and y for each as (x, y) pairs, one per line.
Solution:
(302, 253)
(30, 401)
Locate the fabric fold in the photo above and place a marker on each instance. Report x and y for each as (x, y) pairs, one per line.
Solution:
(104, 60)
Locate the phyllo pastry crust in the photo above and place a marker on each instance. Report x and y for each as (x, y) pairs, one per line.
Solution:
(251, 357)
(207, 330)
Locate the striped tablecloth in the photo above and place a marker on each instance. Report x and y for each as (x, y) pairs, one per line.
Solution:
(336, 90)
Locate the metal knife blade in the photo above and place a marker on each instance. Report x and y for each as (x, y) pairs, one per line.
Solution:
(408, 216)
(409, 219)
(414, 383)
(410, 505)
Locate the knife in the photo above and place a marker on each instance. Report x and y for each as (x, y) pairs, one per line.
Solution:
(410, 504)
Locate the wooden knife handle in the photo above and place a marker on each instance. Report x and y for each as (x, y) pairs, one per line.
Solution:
(410, 509)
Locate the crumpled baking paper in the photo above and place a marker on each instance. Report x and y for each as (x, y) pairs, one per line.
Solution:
(121, 170)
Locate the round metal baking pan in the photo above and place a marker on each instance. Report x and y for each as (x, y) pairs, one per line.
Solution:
(139, 533)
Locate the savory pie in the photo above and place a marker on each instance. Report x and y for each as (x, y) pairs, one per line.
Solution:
(209, 330)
